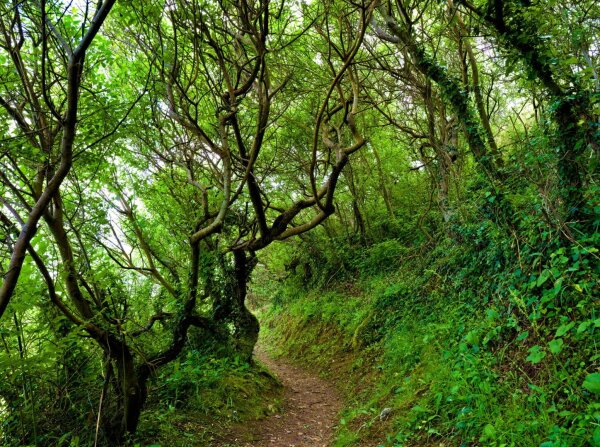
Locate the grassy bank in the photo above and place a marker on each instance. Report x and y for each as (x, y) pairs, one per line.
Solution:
(463, 347)
(200, 397)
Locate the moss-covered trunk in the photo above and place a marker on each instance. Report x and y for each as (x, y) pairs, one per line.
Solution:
(246, 324)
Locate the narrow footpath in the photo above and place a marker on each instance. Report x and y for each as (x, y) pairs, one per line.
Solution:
(309, 415)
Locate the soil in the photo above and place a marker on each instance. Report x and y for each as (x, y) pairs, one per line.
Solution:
(308, 417)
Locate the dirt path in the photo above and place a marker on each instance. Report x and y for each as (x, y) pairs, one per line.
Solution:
(309, 414)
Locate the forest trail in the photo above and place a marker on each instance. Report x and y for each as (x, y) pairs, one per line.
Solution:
(309, 411)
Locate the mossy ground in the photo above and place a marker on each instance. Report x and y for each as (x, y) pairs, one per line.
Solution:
(227, 393)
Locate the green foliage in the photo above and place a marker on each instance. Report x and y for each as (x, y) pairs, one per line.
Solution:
(470, 335)
(458, 275)
(382, 257)
(199, 396)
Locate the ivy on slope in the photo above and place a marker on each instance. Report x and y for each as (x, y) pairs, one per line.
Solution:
(477, 342)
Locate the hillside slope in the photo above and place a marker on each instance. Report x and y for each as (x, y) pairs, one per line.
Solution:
(452, 348)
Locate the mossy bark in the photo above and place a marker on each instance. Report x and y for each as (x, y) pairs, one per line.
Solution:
(246, 324)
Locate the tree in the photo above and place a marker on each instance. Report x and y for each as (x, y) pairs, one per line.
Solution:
(212, 156)
(515, 25)
(47, 124)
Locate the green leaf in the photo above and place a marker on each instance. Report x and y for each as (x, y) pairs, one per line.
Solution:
(543, 277)
(489, 431)
(562, 330)
(596, 437)
(592, 383)
(523, 335)
(570, 61)
(536, 354)
(583, 326)
(556, 345)
(472, 338)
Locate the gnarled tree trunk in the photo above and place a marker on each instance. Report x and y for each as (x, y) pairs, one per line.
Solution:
(246, 324)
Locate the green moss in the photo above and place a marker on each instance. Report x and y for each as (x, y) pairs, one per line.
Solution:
(225, 391)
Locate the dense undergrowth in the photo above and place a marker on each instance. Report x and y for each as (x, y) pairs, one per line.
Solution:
(421, 175)
(476, 339)
(193, 402)
(201, 396)
(198, 397)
